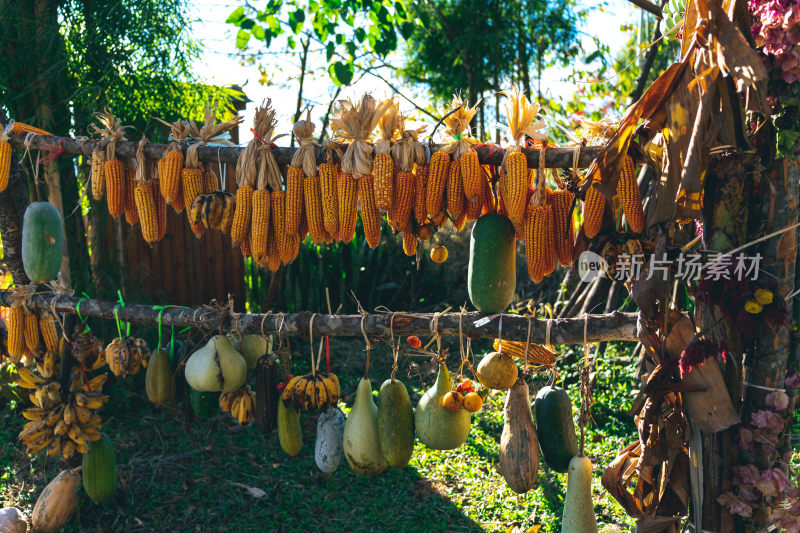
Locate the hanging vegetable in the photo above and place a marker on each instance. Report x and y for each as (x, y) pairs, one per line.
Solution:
(170, 166)
(383, 164)
(462, 149)
(112, 131)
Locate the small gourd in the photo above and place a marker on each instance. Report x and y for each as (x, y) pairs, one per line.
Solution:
(578, 515)
(328, 450)
(497, 371)
(395, 423)
(100, 470)
(290, 435)
(362, 446)
(437, 427)
(158, 379)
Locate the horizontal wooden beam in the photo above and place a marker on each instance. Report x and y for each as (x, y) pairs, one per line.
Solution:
(487, 154)
(606, 327)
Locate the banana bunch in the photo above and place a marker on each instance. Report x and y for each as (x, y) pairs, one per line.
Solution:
(49, 365)
(61, 422)
(126, 356)
(213, 210)
(240, 404)
(312, 391)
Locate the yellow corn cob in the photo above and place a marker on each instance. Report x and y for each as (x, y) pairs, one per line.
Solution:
(193, 185)
(562, 223)
(348, 206)
(240, 227)
(98, 180)
(487, 197)
(471, 175)
(629, 197)
(278, 213)
(211, 181)
(420, 192)
(460, 221)
(293, 199)
(169, 176)
(437, 180)
(403, 201)
(16, 333)
(273, 258)
(160, 208)
(539, 244)
(47, 326)
(475, 207)
(177, 202)
(31, 333)
(244, 246)
(593, 207)
(260, 224)
(302, 229)
(5, 164)
(19, 127)
(537, 354)
(370, 217)
(146, 208)
(114, 173)
(409, 243)
(328, 177)
(383, 172)
(456, 201)
(131, 214)
(514, 184)
(312, 198)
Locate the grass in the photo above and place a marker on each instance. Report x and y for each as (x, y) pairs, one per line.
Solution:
(182, 475)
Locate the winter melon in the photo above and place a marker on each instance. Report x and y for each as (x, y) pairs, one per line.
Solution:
(555, 427)
(42, 239)
(492, 270)
(100, 470)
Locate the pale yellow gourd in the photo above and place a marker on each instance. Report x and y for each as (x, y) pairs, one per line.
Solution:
(578, 516)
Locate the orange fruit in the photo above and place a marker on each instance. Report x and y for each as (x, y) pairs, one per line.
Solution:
(473, 402)
(453, 401)
(439, 254)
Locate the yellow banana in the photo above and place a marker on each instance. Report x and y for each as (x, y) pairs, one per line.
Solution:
(34, 413)
(67, 449)
(49, 364)
(300, 395)
(95, 422)
(60, 428)
(55, 414)
(75, 433)
(288, 392)
(82, 447)
(70, 414)
(225, 402)
(322, 393)
(96, 383)
(42, 399)
(311, 394)
(335, 380)
(235, 405)
(95, 400)
(30, 428)
(54, 391)
(29, 380)
(83, 414)
(55, 447)
(40, 444)
(81, 399)
(245, 410)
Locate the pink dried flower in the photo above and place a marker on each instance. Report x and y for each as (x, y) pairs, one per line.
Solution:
(735, 504)
(778, 400)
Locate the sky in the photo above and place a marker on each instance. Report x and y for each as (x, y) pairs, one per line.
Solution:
(217, 64)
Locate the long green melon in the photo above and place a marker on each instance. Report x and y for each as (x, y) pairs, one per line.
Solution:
(42, 239)
(492, 271)
(555, 427)
(100, 470)
(395, 423)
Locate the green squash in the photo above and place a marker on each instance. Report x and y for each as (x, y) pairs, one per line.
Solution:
(438, 428)
(158, 379)
(492, 270)
(100, 470)
(362, 446)
(555, 427)
(42, 241)
(204, 404)
(395, 423)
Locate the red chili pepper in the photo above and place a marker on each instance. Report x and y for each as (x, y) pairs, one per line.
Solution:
(413, 341)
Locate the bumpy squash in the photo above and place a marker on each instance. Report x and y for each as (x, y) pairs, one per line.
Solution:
(362, 445)
(204, 404)
(42, 241)
(100, 470)
(158, 380)
(437, 427)
(56, 502)
(395, 423)
(578, 515)
(556, 427)
(290, 435)
(519, 447)
(492, 270)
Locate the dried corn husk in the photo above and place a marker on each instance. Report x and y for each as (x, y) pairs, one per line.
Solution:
(407, 150)
(521, 115)
(305, 156)
(209, 132)
(354, 123)
(458, 128)
(112, 131)
(388, 125)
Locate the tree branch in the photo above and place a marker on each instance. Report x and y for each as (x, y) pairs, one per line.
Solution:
(649, 7)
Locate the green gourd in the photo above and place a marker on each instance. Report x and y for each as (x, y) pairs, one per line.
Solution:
(578, 515)
(204, 404)
(492, 270)
(437, 427)
(290, 435)
(100, 470)
(158, 379)
(362, 445)
(555, 427)
(42, 241)
(395, 423)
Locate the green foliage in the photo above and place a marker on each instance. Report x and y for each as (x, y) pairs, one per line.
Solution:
(341, 27)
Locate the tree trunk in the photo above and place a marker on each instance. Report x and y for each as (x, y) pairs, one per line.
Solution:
(303, 60)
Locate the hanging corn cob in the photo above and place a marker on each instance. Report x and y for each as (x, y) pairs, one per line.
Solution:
(630, 198)
(15, 326)
(407, 153)
(328, 178)
(247, 167)
(354, 124)
(98, 179)
(31, 333)
(273, 258)
(211, 181)
(383, 168)
(131, 214)
(47, 326)
(312, 199)
(437, 181)
(288, 245)
(143, 198)
(112, 131)
(456, 201)
(594, 201)
(244, 246)
(420, 191)
(461, 147)
(537, 355)
(303, 167)
(370, 217)
(5, 158)
(539, 229)
(192, 178)
(513, 184)
(19, 127)
(409, 243)
(561, 201)
(170, 166)
(158, 201)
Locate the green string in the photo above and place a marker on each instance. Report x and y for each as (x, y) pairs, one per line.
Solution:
(78, 311)
(457, 136)
(116, 319)
(159, 329)
(172, 346)
(122, 304)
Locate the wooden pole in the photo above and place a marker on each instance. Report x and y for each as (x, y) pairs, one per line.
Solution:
(603, 327)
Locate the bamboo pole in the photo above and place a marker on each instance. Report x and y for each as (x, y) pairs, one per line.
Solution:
(554, 158)
(603, 327)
